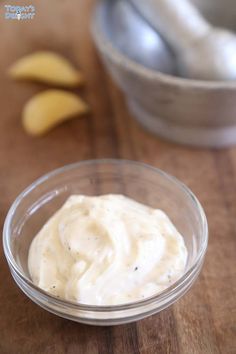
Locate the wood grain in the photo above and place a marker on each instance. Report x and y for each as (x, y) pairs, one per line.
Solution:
(204, 321)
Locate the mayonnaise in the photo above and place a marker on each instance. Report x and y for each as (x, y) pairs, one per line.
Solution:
(106, 250)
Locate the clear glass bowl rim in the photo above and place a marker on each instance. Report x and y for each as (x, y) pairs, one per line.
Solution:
(95, 308)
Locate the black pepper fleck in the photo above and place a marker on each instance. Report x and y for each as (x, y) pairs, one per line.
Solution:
(136, 268)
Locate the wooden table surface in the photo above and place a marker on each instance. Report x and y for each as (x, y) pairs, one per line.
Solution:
(204, 320)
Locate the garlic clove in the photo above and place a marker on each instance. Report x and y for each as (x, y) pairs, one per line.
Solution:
(47, 67)
(50, 108)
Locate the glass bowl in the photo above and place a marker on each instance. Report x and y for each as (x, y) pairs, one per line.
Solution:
(148, 185)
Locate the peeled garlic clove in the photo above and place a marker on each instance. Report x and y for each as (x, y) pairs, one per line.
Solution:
(49, 108)
(47, 67)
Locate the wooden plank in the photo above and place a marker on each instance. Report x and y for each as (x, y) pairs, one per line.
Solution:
(204, 320)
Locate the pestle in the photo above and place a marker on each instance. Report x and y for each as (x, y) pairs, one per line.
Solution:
(150, 50)
(203, 52)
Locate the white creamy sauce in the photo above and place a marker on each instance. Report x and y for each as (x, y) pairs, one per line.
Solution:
(106, 250)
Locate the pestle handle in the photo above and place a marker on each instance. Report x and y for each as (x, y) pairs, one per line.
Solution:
(178, 21)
